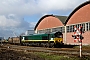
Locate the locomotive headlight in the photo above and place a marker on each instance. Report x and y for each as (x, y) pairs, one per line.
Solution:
(59, 40)
(23, 38)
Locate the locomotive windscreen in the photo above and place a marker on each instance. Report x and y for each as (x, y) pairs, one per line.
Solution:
(58, 34)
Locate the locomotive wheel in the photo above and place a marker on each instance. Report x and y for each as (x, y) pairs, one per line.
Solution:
(56, 45)
(51, 45)
(47, 45)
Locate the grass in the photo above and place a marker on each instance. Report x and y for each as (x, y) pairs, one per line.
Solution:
(48, 56)
(84, 46)
(87, 47)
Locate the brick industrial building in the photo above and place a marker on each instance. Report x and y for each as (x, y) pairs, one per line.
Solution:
(80, 16)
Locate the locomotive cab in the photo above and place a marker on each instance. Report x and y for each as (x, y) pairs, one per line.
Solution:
(58, 38)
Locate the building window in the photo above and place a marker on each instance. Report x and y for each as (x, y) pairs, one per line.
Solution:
(60, 29)
(57, 29)
(67, 28)
(41, 31)
(83, 25)
(78, 25)
(47, 30)
(89, 25)
(53, 29)
(72, 28)
(63, 29)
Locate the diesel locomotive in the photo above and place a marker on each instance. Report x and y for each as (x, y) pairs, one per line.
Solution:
(46, 40)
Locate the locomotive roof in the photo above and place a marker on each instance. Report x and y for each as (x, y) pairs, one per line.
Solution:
(44, 33)
(35, 34)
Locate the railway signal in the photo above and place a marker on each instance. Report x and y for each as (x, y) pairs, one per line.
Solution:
(78, 37)
(78, 34)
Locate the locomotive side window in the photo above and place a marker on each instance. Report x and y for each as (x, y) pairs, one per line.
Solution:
(44, 37)
(26, 38)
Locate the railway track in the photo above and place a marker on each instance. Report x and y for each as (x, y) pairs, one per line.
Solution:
(68, 51)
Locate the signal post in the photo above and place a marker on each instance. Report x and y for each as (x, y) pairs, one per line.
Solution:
(78, 37)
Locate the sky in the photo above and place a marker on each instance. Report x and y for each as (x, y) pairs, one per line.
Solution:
(18, 16)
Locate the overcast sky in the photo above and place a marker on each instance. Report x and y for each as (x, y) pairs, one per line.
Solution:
(17, 16)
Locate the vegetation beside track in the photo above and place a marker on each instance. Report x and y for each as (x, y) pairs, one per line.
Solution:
(20, 55)
(6, 54)
(50, 56)
(16, 53)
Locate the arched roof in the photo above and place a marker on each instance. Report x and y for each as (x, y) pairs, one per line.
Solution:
(77, 8)
(61, 18)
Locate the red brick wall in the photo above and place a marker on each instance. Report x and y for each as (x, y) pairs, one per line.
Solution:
(49, 22)
(86, 40)
(82, 15)
(69, 38)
